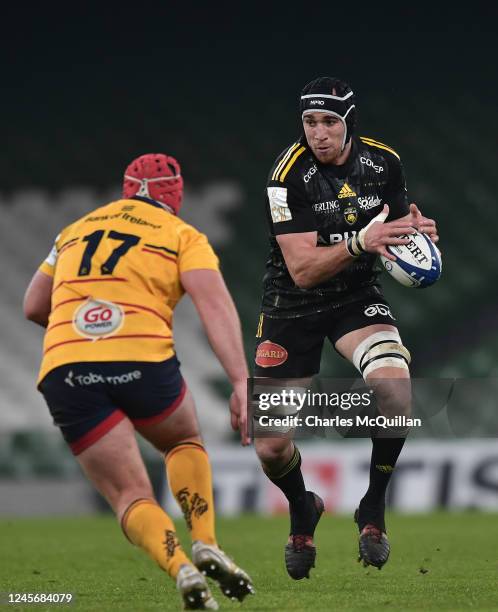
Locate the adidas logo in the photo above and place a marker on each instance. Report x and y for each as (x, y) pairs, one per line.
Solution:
(346, 192)
(386, 469)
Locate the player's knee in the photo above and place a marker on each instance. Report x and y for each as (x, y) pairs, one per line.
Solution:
(382, 350)
(126, 498)
(273, 450)
(393, 396)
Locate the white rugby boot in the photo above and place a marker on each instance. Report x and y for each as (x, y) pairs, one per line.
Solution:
(194, 589)
(215, 564)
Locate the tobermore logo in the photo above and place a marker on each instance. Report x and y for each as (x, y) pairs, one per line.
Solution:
(269, 354)
(97, 319)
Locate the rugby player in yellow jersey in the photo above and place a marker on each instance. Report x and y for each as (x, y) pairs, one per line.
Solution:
(106, 295)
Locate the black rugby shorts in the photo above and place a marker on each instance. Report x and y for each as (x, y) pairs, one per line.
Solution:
(88, 399)
(292, 348)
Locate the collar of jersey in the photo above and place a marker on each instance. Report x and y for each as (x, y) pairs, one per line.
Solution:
(147, 201)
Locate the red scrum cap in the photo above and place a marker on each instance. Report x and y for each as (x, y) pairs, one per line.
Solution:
(156, 176)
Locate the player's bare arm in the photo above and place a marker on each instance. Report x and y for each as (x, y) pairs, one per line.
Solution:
(310, 265)
(221, 323)
(38, 298)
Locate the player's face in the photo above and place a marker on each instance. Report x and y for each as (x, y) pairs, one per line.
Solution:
(324, 134)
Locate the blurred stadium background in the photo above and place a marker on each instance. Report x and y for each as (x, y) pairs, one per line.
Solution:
(88, 96)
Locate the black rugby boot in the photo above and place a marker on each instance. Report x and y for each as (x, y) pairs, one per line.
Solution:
(300, 550)
(373, 544)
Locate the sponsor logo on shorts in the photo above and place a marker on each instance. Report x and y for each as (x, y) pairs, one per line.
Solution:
(97, 319)
(85, 380)
(378, 309)
(269, 354)
(69, 379)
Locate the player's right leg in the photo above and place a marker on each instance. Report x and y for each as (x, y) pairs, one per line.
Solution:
(281, 462)
(288, 351)
(103, 440)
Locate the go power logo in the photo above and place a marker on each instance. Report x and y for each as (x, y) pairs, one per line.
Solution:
(97, 319)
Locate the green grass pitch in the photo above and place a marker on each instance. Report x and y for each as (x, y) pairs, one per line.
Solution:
(438, 562)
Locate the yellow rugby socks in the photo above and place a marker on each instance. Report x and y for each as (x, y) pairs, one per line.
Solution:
(146, 525)
(189, 475)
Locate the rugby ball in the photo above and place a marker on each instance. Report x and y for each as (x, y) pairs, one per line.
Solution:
(418, 264)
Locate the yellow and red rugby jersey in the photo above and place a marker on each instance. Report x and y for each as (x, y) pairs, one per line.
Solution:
(116, 282)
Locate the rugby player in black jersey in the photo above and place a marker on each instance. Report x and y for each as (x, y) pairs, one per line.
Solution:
(334, 202)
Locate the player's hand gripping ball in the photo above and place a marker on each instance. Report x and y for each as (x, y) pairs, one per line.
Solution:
(418, 264)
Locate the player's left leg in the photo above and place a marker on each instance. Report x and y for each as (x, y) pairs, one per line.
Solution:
(378, 353)
(189, 475)
(187, 465)
(114, 465)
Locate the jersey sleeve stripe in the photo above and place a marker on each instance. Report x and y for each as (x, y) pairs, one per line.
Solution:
(112, 279)
(162, 248)
(67, 246)
(147, 309)
(78, 299)
(160, 255)
(291, 163)
(281, 163)
(379, 145)
(124, 337)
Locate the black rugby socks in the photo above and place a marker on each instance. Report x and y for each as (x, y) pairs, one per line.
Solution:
(290, 481)
(385, 453)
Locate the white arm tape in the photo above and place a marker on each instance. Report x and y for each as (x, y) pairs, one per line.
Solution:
(380, 218)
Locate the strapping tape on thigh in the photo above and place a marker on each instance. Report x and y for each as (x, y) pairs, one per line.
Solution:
(381, 350)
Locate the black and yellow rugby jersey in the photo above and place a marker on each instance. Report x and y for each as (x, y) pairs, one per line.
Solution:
(304, 195)
(116, 282)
